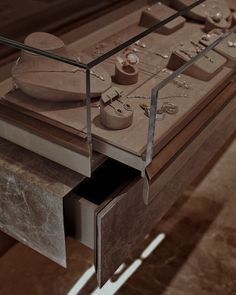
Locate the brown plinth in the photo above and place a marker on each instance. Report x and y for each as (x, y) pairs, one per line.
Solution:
(201, 11)
(204, 69)
(223, 48)
(159, 12)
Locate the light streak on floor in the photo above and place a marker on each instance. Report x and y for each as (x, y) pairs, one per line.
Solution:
(110, 287)
(82, 281)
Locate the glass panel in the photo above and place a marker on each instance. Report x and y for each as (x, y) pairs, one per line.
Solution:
(175, 78)
(112, 65)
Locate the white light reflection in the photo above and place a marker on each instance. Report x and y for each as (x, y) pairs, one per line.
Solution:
(110, 287)
(82, 281)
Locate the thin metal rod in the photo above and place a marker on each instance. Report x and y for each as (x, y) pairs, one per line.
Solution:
(151, 127)
(155, 92)
(18, 45)
(142, 35)
(88, 107)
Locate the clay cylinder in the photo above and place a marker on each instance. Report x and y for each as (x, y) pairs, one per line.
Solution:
(115, 116)
(126, 74)
(211, 24)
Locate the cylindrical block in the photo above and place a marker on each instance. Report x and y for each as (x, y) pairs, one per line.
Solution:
(126, 74)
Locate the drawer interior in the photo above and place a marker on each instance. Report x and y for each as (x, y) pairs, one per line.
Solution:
(91, 196)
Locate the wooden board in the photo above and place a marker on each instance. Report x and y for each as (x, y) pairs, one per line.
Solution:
(128, 218)
(56, 135)
(134, 138)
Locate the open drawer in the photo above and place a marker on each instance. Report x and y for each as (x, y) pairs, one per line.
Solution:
(107, 212)
(90, 204)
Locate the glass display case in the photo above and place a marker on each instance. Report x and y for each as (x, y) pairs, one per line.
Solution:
(123, 89)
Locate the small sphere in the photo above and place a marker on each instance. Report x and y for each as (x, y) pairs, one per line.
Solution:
(206, 37)
(132, 59)
(217, 17)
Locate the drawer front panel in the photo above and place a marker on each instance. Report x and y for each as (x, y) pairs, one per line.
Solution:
(126, 219)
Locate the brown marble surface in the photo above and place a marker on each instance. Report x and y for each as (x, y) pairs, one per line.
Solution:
(197, 256)
(31, 200)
